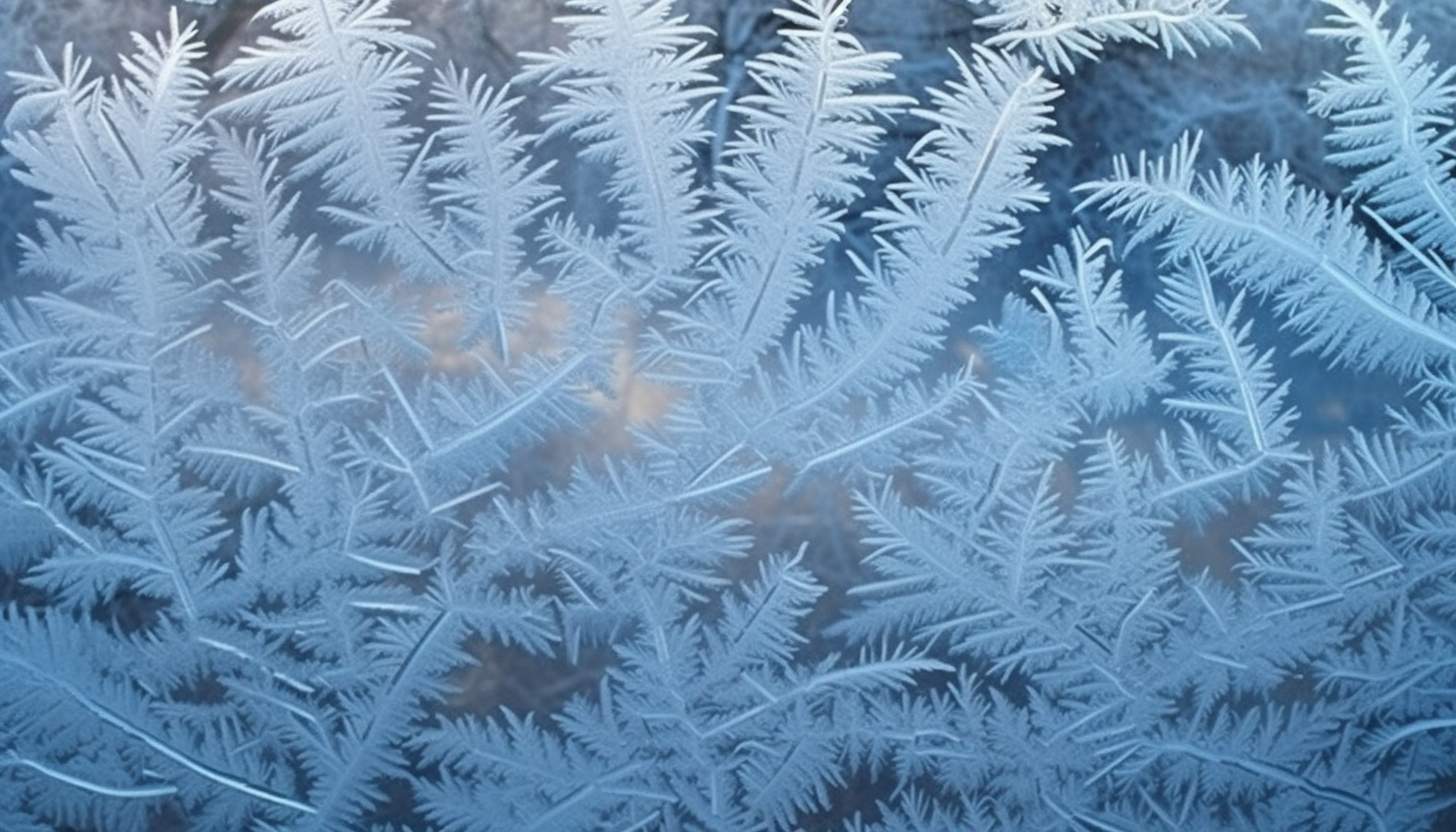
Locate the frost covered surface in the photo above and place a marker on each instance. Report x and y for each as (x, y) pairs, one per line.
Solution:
(358, 478)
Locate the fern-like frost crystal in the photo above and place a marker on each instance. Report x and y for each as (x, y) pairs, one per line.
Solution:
(361, 473)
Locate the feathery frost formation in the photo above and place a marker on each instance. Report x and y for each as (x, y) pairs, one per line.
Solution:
(288, 387)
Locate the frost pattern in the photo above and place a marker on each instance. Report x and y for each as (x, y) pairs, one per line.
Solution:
(357, 480)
